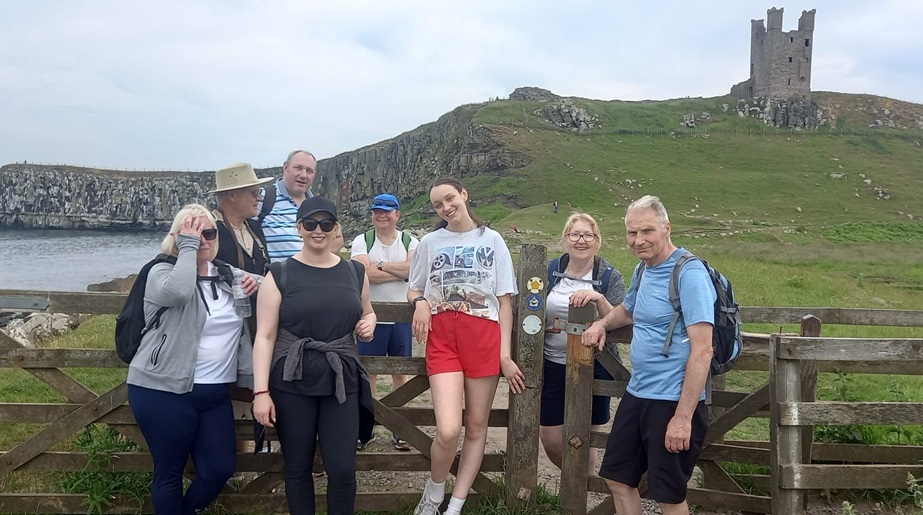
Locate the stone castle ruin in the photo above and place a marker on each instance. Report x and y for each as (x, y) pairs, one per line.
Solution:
(779, 86)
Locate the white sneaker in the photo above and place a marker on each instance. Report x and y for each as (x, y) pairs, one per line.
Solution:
(426, 507)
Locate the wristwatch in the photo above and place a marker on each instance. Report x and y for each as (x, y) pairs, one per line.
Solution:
(380, 265)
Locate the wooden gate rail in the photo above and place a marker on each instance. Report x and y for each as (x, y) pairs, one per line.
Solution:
(792, 472)
(731, 408)
(84, 407)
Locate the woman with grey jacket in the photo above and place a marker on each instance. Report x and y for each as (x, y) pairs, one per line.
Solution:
(178, 380)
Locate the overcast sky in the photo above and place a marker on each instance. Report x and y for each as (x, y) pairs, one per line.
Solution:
(199, 85)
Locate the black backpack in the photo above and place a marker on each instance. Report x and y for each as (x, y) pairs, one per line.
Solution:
(726, 343)
(130, 325)
(269, 200)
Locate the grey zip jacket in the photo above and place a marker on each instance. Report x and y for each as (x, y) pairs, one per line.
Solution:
(166, 358)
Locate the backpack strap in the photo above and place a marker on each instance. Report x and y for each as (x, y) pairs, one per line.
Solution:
(601, 280)
(369, 240)
(357, 274)
(155, 321)
(269, 201)
(674, 298)
(405, 239)
(283, 273)
(554, 272)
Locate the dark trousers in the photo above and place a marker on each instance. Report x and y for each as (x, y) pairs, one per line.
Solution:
(199, 423)
(300, 421)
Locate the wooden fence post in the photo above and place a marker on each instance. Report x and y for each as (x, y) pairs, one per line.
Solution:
(785, 441)
(528, 350)
(578, 406)
(810, 326)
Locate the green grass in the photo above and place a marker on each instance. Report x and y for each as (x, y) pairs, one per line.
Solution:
(546, 503)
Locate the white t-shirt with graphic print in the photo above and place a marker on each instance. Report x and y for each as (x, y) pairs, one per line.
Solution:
(464, 271)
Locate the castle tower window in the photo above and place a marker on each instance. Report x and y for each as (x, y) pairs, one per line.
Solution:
(789, 82)
(789, 59)
(791, 39)
(807, 42)
(802, 79)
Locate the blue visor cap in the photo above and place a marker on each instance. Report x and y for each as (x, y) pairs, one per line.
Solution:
(385, 202)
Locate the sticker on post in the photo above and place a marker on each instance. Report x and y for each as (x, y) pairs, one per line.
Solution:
(534, 302)
(535, 284)
(531, 324)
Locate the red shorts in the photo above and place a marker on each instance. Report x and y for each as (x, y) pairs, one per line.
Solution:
(463, 343)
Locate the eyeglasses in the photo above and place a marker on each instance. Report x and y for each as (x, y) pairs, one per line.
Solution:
(310, 224)
(575, 237)
(210, 234)
(384, 203)
(257, 193)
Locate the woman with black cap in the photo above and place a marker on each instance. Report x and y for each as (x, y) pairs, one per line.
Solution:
(308, 382)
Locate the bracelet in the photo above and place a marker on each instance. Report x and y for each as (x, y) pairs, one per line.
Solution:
(258, 393)
(417, 299)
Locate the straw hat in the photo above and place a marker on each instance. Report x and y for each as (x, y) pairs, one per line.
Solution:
(240, 175)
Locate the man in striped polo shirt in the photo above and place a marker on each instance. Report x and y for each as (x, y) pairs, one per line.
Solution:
(279, 226)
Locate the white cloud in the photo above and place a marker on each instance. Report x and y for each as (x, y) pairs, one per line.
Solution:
(198, 85)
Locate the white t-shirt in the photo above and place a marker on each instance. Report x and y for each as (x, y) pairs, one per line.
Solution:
(463, 271)
(391, 291)
(216, 361)
(556, 306)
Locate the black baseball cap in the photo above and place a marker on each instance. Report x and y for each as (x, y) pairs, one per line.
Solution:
(316, 205)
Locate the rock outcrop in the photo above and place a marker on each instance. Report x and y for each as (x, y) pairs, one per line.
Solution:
(117, 285)
(794, 112)
(65, 197)
(567, 115)
(533, 93)
(38, 327)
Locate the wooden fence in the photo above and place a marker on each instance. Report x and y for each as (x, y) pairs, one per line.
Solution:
(84, 407)
(720, 490)
(793, 413)
(519, 464)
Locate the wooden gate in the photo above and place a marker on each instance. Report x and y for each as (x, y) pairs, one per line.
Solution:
(720, 490)
(83, 407)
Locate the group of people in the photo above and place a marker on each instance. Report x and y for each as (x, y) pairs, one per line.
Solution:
(293, 346)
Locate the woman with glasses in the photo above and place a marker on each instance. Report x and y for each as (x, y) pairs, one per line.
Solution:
(308, 382)
(461, 281)
(178, 380)
(577, 277)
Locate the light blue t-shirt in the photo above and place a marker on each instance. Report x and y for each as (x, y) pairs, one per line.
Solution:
(653, 375)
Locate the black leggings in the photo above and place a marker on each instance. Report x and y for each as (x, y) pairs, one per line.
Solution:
(300, 420)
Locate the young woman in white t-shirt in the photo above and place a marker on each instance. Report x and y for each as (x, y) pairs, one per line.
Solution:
(461, 281)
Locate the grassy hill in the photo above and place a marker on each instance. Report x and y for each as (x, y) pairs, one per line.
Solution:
(835, 211)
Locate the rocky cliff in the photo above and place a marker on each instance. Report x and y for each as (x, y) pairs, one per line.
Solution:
(65, 197)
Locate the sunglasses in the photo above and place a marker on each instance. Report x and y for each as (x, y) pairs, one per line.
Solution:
(384, 203)
(257, 193)
(310, 224)
(210, 234)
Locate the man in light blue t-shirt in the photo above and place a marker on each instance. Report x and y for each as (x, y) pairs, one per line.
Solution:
(660, 424)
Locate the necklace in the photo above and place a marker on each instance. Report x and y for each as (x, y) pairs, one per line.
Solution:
(578, 273)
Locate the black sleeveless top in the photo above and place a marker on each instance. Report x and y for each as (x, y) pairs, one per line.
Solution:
(324, 304)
